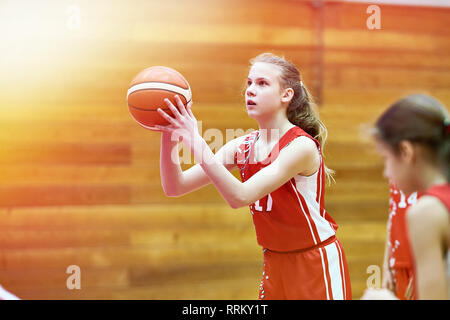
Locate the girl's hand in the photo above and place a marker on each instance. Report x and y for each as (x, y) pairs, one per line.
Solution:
(153, 128)
(183, 126)
(378, 294)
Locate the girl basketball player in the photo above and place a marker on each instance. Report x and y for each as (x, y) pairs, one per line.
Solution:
(282, 181)
(413, 136)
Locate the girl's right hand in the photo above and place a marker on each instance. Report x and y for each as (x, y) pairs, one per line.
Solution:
(152, 128)
(159, 128)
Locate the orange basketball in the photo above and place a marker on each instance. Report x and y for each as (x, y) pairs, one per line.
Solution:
(149, 89)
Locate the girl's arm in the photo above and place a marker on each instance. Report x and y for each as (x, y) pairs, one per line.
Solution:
(170, 169)
(176, 182)
(300, 156)
(428, 226)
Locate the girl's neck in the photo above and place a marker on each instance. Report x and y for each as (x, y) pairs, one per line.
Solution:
(431, 176)
(273, 129)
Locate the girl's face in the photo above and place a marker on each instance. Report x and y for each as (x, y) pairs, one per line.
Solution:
(398, 168)
(263, 93)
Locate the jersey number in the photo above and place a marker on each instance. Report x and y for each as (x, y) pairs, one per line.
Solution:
(258, 207)
(411, 199)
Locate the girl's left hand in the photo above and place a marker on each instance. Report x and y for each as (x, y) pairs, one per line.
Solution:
(378, 294)
(184, 124)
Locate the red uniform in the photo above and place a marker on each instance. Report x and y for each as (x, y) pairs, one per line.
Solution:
(399, 262)
(441, 192)
(302, 257)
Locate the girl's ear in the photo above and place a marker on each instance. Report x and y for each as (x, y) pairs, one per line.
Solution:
(407, 151)
(287, 95)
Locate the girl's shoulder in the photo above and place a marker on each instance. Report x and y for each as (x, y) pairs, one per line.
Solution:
(304, 142)
(428, 212)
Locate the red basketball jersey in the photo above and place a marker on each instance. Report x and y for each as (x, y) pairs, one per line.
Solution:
(293, 216)
(442, 192)
(398, 205)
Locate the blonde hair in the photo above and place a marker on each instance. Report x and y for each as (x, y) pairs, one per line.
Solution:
(301, 111)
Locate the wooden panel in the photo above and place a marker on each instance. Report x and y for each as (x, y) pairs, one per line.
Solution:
(386, 39)
(234, 289)
(11, 196)
(122, 278)
(339, 153)
(401, 19)
(117, 217)
(74, 153)
(130, 256)
(379, 97)
(397, 59)
(77, 237)
(344, 210)
(70, 174)
(369, 77)
(70, 145)
(24, 279)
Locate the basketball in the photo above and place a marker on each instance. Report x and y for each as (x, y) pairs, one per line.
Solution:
(148, 90)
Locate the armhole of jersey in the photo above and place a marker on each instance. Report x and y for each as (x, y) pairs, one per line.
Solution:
(319, 149)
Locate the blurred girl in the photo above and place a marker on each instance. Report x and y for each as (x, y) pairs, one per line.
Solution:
(282, 181)
(413, 136)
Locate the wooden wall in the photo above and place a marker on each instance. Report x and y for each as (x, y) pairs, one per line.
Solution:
(79, 180)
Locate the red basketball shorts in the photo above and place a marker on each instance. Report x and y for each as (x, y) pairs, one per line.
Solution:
(317, 273)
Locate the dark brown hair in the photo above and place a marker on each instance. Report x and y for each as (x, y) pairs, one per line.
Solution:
(421, 119)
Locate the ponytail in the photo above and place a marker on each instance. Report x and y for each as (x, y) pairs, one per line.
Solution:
(302, 111)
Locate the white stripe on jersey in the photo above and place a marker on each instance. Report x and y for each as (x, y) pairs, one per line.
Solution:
(307, 188)
(304, 213)
(342, 268)
(324, 273)
(334, 268)
(319, 187)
